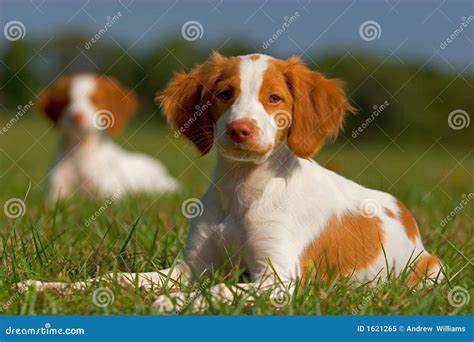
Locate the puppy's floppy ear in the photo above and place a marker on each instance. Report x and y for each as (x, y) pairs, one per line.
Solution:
(53, 100)
(184, 103)
(110, 95)
(318, 108)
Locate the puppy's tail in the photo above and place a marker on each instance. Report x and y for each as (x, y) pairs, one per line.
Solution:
(427, 270)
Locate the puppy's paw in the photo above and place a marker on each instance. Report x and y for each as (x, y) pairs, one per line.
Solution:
(178, 301)
(29, 284)
(40, 286)
(168, 303)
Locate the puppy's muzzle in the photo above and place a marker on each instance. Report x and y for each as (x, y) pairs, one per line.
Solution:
(241, 130)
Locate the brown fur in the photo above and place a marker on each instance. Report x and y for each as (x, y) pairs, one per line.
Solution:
(187, 91)
(274, 83)
(423, 269)
(316, 104)
(108, 95)
(408, 222)
(53, 100)
(112, 96)
(318, 107)
(347, 244)
(390, 213)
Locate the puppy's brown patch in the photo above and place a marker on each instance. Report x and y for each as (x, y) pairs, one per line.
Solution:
(54, 100)
(187, 92)
(111, 96)
(390, 213)
(424, 268)
(408, 222)
(347, 244)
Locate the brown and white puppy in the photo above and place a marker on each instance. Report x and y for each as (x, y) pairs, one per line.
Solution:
(85, 108)
(270, 207)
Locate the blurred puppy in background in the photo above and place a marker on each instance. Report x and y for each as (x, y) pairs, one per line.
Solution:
(84, 108)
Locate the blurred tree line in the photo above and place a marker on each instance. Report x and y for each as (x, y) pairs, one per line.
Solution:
(389, 97)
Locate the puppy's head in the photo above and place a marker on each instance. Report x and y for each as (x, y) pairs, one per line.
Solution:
(84, 104)
(248, 105)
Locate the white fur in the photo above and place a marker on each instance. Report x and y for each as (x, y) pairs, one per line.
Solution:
(248, 106)
(268, 209)
(263, 213)
(90, 163)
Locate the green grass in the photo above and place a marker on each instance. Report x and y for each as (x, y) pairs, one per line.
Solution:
(146, 233)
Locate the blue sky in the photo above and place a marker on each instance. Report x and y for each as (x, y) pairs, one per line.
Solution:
(409, 30)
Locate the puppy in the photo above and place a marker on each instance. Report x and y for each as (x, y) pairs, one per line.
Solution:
(270, 207)
(85, 108)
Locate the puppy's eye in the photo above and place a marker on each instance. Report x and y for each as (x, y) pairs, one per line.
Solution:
(225, 95)
(274, 98)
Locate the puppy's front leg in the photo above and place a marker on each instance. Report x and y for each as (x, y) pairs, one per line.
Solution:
(279, 295)
(171, 278)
